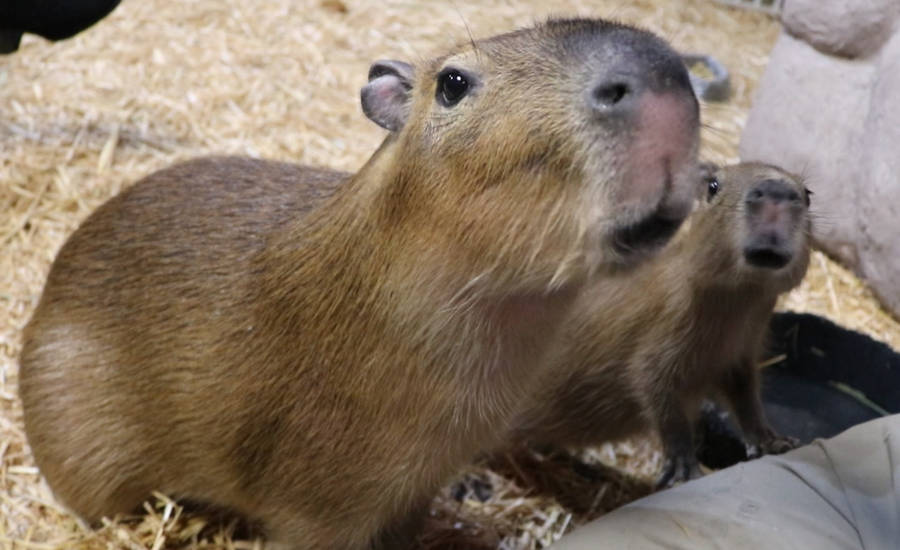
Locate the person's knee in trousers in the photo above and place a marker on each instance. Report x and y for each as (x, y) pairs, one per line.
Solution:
(841, 493)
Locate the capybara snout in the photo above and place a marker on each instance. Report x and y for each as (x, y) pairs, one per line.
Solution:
(648, 86)
(774, 208)
(772, 232)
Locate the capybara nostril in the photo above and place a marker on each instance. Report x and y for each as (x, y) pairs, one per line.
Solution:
(672, 75)
(645, 66)
(774, 190)
(652, 64)
(608, 95)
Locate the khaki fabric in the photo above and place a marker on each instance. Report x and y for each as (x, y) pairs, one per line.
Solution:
(837, 494)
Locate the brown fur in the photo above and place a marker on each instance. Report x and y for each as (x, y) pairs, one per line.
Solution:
(642, 351)
(320, 351)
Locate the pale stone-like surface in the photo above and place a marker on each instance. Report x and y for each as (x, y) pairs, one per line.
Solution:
(835, 121)
(879, 203)
(849, 28)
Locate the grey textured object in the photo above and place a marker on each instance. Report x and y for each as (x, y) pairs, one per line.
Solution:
(833, 119)
(849, 28)
(717, 88)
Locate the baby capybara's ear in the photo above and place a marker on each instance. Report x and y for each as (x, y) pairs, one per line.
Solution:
(708, 170)
(385, 99)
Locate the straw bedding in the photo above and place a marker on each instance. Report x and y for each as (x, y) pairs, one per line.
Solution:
(161, 81)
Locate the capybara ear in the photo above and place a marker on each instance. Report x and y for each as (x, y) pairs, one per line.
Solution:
(385, 99)
(708, 170)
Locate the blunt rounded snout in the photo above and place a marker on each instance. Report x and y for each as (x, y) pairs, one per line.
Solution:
(772, 190)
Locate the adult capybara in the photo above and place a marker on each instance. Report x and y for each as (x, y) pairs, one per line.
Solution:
(320, 351)
(640, 352)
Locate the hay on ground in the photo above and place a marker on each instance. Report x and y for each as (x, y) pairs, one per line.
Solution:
(161, 81)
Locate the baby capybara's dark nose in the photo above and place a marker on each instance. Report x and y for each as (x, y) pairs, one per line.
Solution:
(773, 208)
(772, 190)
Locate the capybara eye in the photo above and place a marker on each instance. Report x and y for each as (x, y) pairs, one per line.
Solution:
(807, 194)
(452, 86)
(712, 188)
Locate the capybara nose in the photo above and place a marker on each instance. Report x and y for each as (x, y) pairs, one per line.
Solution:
(647, 88)
(772, 202)
(773, 190)
(773, 208)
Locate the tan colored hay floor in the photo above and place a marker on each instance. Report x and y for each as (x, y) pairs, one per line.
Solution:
(159, 81)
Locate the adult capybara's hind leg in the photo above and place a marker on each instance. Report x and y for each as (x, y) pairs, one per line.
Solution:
(85, 447)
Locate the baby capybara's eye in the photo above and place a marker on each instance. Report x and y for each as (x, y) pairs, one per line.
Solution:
(712, 188)
(452, 86)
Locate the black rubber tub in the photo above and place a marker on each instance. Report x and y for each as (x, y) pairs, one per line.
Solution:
(822, 380)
